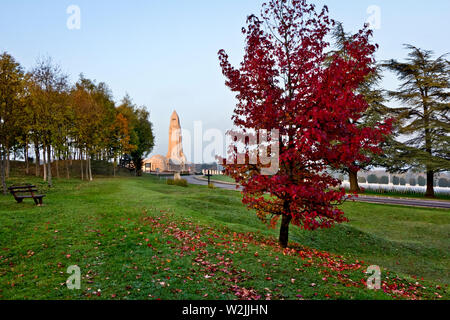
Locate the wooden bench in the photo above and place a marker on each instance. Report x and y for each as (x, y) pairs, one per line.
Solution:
(26, 192)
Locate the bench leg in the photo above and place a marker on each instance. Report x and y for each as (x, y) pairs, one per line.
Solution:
(40, 202)
(19, 200)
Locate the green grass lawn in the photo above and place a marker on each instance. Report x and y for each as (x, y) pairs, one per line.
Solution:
(138, 238)
(221, 178)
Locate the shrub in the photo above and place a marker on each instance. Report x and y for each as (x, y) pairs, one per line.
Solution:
(180, 182)
(396, 180)
(362, 180)
(443, 183)
(422, 181)
(372, 179)
(384, 180)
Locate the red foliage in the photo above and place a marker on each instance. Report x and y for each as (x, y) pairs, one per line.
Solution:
(287, 82)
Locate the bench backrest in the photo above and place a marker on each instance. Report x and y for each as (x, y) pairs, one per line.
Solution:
(27, 187)
(22, 189)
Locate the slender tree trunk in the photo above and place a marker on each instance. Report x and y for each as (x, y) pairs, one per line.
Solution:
(27, 165)
(430, 184)
(57, 166)
(7, 163)
(284, 230)
(90, 169)
(2, 171)
(38, 159)
(67, 165)
(49, 162)
(86, 173)
(354, 185)
(81, 164)
(44, 158)
(428, 146)
(114, 167)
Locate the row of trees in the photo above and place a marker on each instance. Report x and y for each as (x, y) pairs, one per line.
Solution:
(43, 115)
(420, 137)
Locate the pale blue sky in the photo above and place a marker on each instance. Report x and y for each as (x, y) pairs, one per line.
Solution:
(164, 53)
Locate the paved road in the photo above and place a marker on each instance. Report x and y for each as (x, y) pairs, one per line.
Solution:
(369, 199)
(406, 202)
(194, 180)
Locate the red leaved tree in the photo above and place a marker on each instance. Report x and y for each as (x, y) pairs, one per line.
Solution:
(288, 83)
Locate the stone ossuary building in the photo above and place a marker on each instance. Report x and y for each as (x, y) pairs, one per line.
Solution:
(175, 160)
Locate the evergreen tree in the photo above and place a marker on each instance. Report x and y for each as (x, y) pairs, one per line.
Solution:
(424, 117)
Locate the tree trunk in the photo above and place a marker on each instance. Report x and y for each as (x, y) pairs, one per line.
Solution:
(284, 230)
(49, 163)
(86, 173)
(7, 163)
(67, 166)
(430, 184)
(114, 167)
(44, 158)
(81, 164)
(27, 165)
(38, 159)
(2, 171)
(90, 169)
(56, 164)
(428, 147)
(354, 185)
